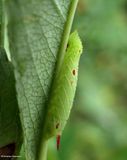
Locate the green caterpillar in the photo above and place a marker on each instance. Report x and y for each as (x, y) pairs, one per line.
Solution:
(63, 89)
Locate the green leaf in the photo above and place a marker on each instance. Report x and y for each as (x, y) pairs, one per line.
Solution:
(38, 30)
(0, 21)
(10, 127)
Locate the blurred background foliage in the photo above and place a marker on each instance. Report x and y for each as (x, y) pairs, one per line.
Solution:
(97, 129)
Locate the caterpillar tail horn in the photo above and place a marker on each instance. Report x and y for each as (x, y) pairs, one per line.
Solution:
(58, 141)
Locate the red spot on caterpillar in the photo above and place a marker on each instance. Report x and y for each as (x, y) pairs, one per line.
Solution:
(57, 125)
(67, 47)
(58, 141)
(7, 150)
(74, 72)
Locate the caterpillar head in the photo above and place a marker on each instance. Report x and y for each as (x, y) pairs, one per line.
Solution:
(75, 42)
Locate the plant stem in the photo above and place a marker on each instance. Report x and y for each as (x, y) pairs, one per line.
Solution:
(66, 33)
(43, 151)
